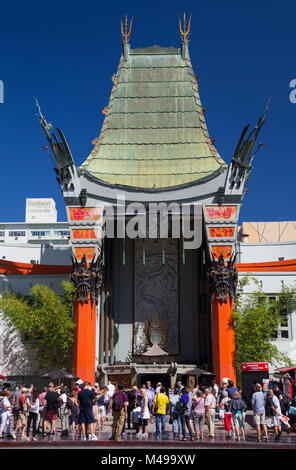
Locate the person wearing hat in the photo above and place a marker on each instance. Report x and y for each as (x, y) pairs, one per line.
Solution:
(158, 387)
(258, 405)
(15, 403)
(221, 390)
(78, 385)
(23, 413)
(64, 411)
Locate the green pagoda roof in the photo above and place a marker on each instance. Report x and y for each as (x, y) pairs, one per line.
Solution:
(154, 134)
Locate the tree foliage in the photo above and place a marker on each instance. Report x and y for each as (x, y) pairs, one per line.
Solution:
(256, 317)
(44, 318)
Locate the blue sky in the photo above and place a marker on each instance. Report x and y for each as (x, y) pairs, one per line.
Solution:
(65, 54)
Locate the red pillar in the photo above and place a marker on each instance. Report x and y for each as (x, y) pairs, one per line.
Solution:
(84, 347)
(223, 345)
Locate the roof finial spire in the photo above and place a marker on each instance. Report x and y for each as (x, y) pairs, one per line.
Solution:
(126, 34)
(185, 30)
(126, 30)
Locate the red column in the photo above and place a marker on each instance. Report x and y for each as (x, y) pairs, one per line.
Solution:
(223, 345)
(84, 347)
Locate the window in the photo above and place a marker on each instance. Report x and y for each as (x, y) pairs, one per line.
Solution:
(17, 233)
(283, 331)
(40, 233)
(2, 233)
(62, 233)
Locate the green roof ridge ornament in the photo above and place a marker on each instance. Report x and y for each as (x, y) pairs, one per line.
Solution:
(243, 156)
(60, 149)
(47, 126)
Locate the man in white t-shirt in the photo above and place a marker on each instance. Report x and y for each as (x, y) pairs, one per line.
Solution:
(210, 405)
(277, 406)
(111, 388)
(215, 388)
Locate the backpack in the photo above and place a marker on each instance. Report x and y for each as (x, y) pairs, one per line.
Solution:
(117, 402)
(181, 407)
(69, 403)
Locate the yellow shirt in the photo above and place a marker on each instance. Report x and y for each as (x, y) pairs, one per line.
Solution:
(162, 401)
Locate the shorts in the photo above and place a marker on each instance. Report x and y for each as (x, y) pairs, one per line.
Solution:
(271, 421)
(259, 419)
(86, 416)
(51, 415)
(73, 419)
(23, 418)
(95, 410)
(238, 420)
(102, 412)
(143, 422)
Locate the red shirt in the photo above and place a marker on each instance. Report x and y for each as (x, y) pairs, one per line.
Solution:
(22, 401)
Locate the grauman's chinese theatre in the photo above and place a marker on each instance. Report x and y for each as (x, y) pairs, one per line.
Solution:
(148, 305)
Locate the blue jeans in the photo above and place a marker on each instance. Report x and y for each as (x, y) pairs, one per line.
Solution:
(176, 419)
(160, 419)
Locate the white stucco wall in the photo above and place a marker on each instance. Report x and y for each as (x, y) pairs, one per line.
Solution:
(55, 254)
(264, 252)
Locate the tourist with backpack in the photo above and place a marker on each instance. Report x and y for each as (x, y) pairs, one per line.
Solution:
(227, 415)
(238, 407)
(65, 404)
(174, 414)
(119, 412)
(184, 406)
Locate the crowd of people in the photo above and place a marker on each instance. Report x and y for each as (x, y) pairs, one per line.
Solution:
(193, 414)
